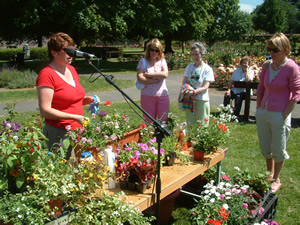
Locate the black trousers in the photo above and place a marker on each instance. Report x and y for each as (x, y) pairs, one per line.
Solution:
(238, 101)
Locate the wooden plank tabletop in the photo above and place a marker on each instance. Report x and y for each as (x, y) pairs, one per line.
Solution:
(173, 177)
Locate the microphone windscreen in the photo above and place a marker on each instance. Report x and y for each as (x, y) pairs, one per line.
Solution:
(71, 51)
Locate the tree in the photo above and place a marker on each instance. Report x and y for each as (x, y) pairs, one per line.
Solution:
(169, 20)
(221, 16)
(241, 23)
(83, 20)
(270, 17)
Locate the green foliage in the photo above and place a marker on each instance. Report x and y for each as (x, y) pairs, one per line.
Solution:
(6, 54)
(177, 60)
(271, 17)
(39, 53)
(13, 78)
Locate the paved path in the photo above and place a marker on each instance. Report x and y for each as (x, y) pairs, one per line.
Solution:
(173, 84)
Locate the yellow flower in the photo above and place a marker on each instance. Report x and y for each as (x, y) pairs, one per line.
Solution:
(91, 174)
(85, 171)
(86, 121)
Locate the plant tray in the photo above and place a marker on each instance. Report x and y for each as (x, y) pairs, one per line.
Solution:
(269, 204)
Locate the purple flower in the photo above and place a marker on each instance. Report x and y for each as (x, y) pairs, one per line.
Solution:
(98, 129)
(68, 127)
(162, 151)
(93, 115)
(136, 154)
(128, 149)
(83, 140)
(144, 147)
(102, 113)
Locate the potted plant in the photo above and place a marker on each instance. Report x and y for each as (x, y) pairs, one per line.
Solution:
(172, 151)
(136, 163)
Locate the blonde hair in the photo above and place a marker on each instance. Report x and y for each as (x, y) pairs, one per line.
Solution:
(155, 43)
(280, 41)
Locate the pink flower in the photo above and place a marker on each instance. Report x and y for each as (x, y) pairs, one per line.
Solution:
(261, 210)
(245, 206)
(224, 177)
(68, 127)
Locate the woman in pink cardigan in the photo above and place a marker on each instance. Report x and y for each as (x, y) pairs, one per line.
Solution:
(277, 95)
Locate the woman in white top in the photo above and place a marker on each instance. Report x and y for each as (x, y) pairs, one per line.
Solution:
(198, 75)
(152, 72)
(242, 73)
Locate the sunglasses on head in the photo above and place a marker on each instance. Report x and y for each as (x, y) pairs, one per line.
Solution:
(154, 50)
(275, 50)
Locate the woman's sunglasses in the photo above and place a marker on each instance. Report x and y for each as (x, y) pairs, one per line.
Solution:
(154, 50)
(275, 50)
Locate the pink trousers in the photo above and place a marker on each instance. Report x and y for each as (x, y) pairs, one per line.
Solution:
(156, 106)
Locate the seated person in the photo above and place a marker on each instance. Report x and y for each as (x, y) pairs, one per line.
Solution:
(242, 73)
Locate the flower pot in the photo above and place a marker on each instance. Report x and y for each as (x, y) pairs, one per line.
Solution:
(129, 137)
(141, 187)
(149, 183)
(93, 150)
(131, 186)
(56, 206)
(170, 159)
(180, 136)
(198, 155)
(123, 184)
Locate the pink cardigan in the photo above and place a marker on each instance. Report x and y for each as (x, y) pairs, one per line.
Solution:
(284, 87)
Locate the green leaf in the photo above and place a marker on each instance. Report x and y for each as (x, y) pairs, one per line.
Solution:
(20, 182)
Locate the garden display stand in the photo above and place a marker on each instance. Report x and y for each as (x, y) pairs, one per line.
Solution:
(160, 131)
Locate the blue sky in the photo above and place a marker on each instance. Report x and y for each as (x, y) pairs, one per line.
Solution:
(249, 5)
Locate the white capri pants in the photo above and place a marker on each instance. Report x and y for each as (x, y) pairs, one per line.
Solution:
(273, 133)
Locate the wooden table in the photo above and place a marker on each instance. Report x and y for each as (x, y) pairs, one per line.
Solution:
(174, 177)
(248, 86)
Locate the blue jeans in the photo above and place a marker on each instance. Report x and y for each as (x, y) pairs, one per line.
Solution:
(238, 101)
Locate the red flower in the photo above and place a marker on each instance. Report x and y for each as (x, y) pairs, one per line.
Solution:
(107, 103)
(28, 143)
(143, 125)
(31, 150)
(39, 147)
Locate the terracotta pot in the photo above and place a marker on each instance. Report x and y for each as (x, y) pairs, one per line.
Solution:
(58, 210)
(129, 137)
(181, 136)
(198, 155)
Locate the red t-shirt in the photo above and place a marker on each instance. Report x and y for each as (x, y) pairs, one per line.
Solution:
(66, 98)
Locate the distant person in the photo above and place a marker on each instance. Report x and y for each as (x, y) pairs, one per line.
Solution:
(277, 95)
(61, 96)
(243, 73)
(195, 83)
(152, 71)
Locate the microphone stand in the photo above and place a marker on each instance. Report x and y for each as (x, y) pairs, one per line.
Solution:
(160, 132)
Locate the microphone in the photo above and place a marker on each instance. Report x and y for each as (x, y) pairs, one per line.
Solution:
(74, 52)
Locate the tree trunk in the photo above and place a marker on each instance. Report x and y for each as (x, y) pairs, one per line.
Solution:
(168, 45)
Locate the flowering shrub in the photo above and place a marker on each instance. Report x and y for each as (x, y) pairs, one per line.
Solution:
(177, 61)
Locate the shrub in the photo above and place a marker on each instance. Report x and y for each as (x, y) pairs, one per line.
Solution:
(13, 79)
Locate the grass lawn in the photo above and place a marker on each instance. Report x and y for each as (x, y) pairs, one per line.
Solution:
(244, 153)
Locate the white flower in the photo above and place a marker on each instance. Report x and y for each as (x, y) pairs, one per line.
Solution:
(15, 138)
(18, 209)
(226, 207)
(217, 194)
(206, 197)
(236, 168)
(20, 216)
(227, 193)
(212, 200)
(212, 190)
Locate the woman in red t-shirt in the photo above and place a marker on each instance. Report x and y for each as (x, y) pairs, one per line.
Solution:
(60, 94)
